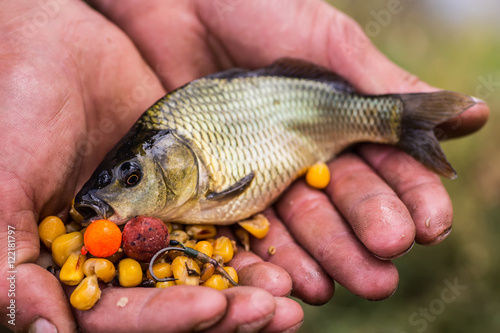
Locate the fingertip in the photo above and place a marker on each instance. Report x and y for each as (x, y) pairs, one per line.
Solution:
(42, 325)
(392, 234)
(433, 216)
(377, 216)
(249, 309)
(314, 287)
(288, 316)
(384, 286)
(267, 276)
(420, 190)
(468, 122)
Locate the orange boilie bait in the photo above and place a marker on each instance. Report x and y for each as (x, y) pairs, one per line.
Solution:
(102, 238)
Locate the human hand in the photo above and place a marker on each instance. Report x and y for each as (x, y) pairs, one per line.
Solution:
(71, 85)
(379, 201)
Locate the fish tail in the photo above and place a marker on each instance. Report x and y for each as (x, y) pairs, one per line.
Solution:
(422, 113)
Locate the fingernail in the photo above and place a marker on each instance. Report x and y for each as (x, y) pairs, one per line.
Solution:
(396, 255)
(439, 238)
(255, 326)
(478, 100)
(292, 329)
(206, 324)
(42, 325)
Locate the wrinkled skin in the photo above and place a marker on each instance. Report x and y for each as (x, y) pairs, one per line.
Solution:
(73, 84)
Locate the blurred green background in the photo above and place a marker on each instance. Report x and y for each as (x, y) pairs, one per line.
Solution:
(455, 45)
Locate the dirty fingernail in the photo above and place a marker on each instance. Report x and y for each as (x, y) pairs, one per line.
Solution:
(208, 323)
(255, 326)
(397, 255)
(439, 238)
(42, 325)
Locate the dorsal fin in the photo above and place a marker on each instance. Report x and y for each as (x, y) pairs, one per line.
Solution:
(293, 68)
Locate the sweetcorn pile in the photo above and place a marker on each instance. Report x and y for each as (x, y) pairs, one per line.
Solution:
(87, 256)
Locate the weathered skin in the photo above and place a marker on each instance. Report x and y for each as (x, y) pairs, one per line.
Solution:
(224, 147)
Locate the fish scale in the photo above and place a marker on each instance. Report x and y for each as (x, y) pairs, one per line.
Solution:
(252, 112)
(224, 147)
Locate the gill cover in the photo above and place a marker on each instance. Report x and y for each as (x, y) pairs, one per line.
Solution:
(148, 172)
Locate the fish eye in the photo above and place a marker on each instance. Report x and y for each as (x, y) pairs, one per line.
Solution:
(130, 174)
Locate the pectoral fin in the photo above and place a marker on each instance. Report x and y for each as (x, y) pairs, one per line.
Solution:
(234, 190)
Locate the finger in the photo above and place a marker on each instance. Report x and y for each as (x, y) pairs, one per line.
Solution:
(80, 109)
(318, 227)
(419, 189)
(177, 55)
(310, 282)
(332, 39)
(377, 216)
(288, 316)
(467, 122)
(248, 310)
(40, 302)
(253, 271)
(31, 291)
(173, 309)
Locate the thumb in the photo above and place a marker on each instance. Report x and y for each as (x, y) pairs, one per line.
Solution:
(30, 297)
(351, 54)
(315, 31)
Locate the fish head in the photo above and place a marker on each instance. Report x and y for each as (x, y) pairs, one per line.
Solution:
(150, 175)
(120, 192)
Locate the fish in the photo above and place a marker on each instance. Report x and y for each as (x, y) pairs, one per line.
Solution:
(223, 147)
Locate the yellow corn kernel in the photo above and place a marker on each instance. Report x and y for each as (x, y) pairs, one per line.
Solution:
(169, 227)
(161, 269)
(179, 235)
(66, 244)
(318, 176)
(232, 273)
(235, 247)
(224, 248)
(186, 271)
(190, 243)
(49, 229)
(77, 217)
(129, 272)
(103, 268)
(72, 227)
(165, 284)
(86, 294)
(72, 270)
(201, 231)
(204, 247)
(218, 258)
(244, 238)
(216, 281)
(206, 272)
(258, 226)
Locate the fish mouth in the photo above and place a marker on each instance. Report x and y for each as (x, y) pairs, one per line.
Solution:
(92, 208)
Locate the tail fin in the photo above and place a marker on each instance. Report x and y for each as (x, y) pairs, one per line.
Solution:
(422, 113)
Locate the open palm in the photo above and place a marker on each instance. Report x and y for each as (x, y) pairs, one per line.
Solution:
(72, 86)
